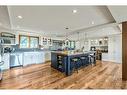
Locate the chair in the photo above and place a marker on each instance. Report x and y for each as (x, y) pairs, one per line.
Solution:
(83, 60)
(92, 59)
(75, 64)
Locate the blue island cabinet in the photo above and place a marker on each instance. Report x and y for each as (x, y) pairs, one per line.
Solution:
(67, 63)
(58, 62)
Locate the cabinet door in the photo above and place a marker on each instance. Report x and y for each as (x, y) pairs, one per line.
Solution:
(27, 59)
(21, 58)
(36, 58)
(47, 56)
(54, 60)
(40, 57)
(33, 58)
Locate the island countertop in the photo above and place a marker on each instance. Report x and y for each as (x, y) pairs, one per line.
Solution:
(70, 53)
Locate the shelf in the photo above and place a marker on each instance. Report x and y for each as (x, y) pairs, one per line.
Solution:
(7, 38)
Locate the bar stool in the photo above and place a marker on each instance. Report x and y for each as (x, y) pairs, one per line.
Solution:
(92, 59)
(83, 60)
(75, 64)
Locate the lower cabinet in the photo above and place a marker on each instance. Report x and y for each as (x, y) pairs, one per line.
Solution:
(40, 57)
(47, 56)
(33, 58)
(27, 59)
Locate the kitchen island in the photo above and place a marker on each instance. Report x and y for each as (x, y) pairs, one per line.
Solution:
(67, 62)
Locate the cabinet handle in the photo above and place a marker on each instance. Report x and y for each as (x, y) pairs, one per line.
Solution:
(1, 63)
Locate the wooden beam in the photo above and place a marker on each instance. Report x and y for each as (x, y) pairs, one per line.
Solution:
(124, 50)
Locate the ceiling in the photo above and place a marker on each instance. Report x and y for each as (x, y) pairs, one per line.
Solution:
(119, 13)
(4, 17)
(54, 19)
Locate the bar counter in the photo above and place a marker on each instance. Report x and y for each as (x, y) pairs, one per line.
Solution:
(68, 62)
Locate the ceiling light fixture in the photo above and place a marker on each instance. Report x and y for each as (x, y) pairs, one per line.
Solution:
(20, 17)
(66, 28)
(92, 22)
(74, 11)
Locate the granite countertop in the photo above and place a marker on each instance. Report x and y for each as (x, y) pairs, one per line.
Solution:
(30, 51)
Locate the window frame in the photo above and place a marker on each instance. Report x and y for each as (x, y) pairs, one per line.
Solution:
(29, 42)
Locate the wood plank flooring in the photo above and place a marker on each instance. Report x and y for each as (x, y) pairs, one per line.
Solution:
(105, 75)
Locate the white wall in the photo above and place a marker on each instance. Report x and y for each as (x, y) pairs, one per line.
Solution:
(114, 49)
(4, 17)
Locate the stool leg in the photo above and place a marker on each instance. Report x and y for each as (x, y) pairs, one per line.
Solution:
(77, 68)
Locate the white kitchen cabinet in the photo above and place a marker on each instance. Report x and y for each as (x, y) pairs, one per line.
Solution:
(6, 60)
(40, 57)
(28, 59)
(33, 58)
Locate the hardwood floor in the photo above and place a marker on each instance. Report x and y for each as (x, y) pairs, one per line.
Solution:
(105, 75)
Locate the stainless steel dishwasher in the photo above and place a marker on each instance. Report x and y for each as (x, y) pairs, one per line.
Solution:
(16, 59)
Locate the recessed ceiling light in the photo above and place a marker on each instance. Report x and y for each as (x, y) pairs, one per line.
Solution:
(92, 22)
(20, 17)
(67, 28)
(74, 11)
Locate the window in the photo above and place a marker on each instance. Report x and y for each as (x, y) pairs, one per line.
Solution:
(24, 41)
(28, 41)
(33, 42)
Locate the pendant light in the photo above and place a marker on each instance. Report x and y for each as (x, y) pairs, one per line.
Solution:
(66, 39)
(78, 40)
(85, 34)
(66, 34)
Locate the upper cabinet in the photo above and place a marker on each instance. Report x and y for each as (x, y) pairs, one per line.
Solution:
(99, 42)
(47, 41)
